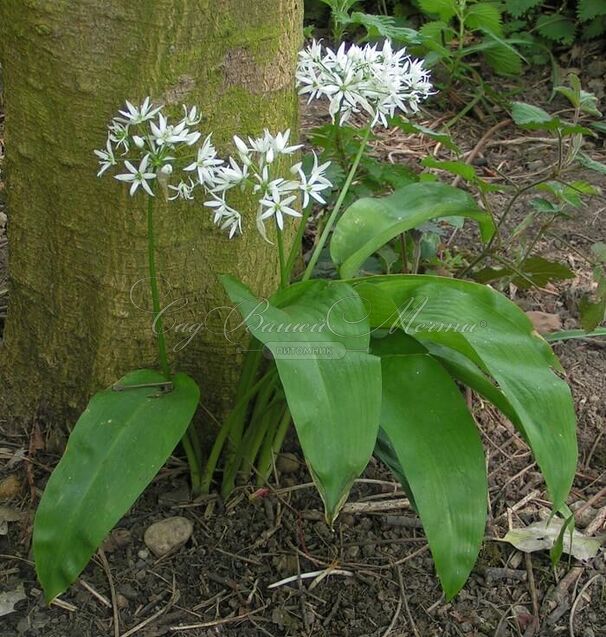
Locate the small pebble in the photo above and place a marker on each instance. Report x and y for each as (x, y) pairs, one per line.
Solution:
(168, 535)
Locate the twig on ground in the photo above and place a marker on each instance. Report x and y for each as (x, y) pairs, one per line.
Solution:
(311, 575)
(112, 591)
(96, 594)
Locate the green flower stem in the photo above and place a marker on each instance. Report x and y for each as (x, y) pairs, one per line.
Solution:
(193, 461)
(271, 448)
(190, 439)
(282, 258)
(153, 283)
(296, 246)
(250, 369)
(251, 442)
(335, 212)
(239, 411)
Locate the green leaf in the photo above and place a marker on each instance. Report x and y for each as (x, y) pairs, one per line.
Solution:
(556, 27)
(518, 7)
(497, 337)
(440, 451)
(369, 223)
(446, 9)
(438, 31)
(118, 445)
(484, 16)
(536, 270)
(590, 9)
(381, 26)
(530, 116)
(503, 60)
(319, 337)
(566, 335)
(467, 171)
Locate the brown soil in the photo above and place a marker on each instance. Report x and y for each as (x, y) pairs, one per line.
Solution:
(220, 580)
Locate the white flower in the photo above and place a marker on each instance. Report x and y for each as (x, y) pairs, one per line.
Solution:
(138, 141)
(167, 169)
(165, 133)
(191, 117)
(227, 177)
(224, 216)
(138, 115)
(106, 157)
(206, 163)
(138, 176)
(357, 79)
(118, 134)
(277, 207)
(183, 190)
(313, 185)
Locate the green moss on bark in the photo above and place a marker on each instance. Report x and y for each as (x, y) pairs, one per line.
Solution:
(78, 242)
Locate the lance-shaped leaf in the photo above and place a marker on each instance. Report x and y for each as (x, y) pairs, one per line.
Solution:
(439, 449)
(319, 337)
(118, 445)
(499, 338)
(370, 223)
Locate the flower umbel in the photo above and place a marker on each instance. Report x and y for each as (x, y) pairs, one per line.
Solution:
(144, 136)
(363, 79)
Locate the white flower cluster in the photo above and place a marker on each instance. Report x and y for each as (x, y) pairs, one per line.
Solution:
(356, 79)
(257, 171)
(143, 141)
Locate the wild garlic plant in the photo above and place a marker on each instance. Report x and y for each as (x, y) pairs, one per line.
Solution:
(360, 365)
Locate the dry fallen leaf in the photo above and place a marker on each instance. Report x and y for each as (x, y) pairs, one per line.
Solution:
(7, 515)
(9, 599)
(544, 322)
(541, 536)
(9, 487)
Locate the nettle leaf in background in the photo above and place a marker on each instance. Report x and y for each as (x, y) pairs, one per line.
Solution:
(381, 26)
(590, 9)
(369, 223)
(556, 27)
(338, 428)
(500, 340)
(438, 447)
(484, 16)
(118, 445)
(516, 8)
(446, 9)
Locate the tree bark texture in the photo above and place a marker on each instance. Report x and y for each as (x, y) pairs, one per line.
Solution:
(79, 313)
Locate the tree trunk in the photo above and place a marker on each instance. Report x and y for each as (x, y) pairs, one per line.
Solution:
(79, 316)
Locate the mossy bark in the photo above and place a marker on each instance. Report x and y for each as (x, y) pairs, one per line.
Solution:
(79, 313)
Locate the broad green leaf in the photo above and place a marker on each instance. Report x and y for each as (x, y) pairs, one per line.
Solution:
(530, 116)
(463, 370)
(498, 338)
(118, 445)
(319, 336)
(369, 223)
(460, 168)
(439, 449)
(484, 16)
